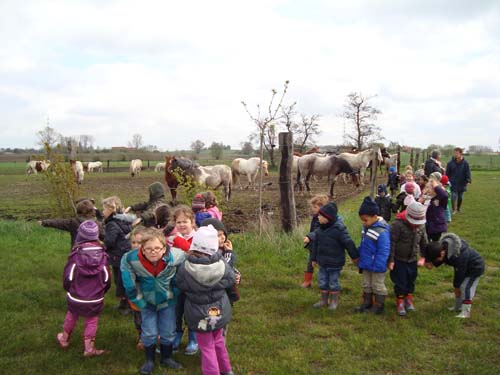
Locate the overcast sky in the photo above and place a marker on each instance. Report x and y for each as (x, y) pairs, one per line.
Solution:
(177, 71)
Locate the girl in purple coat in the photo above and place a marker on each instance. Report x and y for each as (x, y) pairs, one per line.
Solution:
(435, 198)
(86, 280)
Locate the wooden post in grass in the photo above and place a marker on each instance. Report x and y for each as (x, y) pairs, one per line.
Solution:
(287, 199)
(108, 165)
(411, 157)
(398, 162)
(417, 159)
(374, 173)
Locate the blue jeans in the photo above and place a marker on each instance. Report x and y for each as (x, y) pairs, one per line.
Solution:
(158, 322)
(329, 278)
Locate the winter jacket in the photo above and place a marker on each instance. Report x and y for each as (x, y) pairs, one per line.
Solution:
(200, 216)
(147, 209)
(316, 225)
(406, 242)
(458, 174)
(215, 212)
(86, 279)
(466, 261)
(435, 216)
(431, 166)
(205, 280)
(375, 247)
(146, 290)
(329, 245)
(398, 204)
(229, 257)
(71, 225)
(385, 206)
(116, 239)
(393, 181)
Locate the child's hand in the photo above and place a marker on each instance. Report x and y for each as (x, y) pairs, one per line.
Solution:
(391, 266)
(421, 262)
(458, 292)
(355, 261)
(228, 244)
(306, 240)
(127, 210)
(429, 265)
(237, 279)
(314, 264)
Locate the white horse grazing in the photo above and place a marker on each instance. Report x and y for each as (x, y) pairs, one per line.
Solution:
(135, 167)
(360, 161)
(94, 165)
(78, 170)
(160, 166)
(249, 167)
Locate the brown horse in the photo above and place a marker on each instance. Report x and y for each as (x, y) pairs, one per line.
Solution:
(313, 150)
(170, 178)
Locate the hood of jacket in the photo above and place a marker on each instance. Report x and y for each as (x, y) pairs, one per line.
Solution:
(156, 191)
(125, 226)
(89, 257)
(207, 270)
(454, 244)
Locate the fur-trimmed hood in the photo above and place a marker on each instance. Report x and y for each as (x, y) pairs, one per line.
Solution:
(454, 244)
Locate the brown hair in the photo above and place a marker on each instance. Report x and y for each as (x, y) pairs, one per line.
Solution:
(114, 203)
(162, 216)
(150, 234)
(137, 230)
(433, 250)
(183, 210)
(210, 199)
(85, 208)
(459, 149)
(319, 200)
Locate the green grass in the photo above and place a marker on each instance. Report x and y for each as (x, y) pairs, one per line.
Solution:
(274, 328)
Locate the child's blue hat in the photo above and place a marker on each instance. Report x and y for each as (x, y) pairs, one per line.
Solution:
(392, 169)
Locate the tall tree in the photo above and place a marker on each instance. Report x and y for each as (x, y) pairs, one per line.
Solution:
(86, 142)
(136, 141)
(47, 136)
(306, 130)
(197, 146)
(361, 116)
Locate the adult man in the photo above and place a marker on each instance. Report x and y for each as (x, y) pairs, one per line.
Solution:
(433, 164)
(458, 172)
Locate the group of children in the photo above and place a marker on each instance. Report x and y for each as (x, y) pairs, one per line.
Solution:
(416, 237)
(166, 270)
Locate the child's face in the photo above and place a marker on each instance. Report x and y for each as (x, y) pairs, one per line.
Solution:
(136, 240)
(322, 219)
(153, 250)
(222, 237)
(440, 259)
(184, 225)
(381, 194)
(315, 209)
(368, 220)
(107, 211)
(409, 177)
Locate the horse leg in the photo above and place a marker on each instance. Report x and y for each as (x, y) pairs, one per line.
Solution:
(331, 186)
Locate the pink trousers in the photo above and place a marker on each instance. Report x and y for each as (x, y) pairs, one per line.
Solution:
(90, 324)
(214, 357)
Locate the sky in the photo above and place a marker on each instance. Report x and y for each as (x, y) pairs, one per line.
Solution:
(177, 71)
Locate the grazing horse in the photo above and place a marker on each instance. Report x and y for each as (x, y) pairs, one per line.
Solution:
(135, 167)
(250, 168)
(94, 165)
(314, 165)
(160, 166)
(170, 177)
(360, 161)
(212, 176)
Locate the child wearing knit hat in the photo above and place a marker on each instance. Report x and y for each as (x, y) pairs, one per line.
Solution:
(331, 240)
(374, 251)
(393, 180)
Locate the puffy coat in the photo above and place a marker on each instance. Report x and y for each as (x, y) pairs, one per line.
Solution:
(432, 166)
(205, 280)
(459, 174)
(435, 216)
(115, 239)
(385, 206)
(86, 279)
(375, 247)
(330, 243)
(71, 225)
(406, 242)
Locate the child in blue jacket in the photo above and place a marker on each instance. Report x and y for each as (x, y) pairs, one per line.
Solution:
(374, 252)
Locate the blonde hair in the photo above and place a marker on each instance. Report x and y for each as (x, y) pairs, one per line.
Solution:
(183, 210)
(114, 203)
(319, 200)
(408, 168)
(149, 234)
(137, 230)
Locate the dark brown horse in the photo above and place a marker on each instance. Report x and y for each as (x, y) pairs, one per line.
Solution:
(170, 178)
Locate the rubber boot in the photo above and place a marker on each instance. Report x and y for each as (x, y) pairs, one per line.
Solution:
(454, 206)
(409, 305)
(63, 339)
(367, 303)
(192, 346)
(324, 299)
(177, 341)
(334, 300)
(465, 313)
(307, 280)
(378, 306)
(148, 366)
(166, 357)
(123, 307)
(400, 306)
(458, 305)
(90, 349)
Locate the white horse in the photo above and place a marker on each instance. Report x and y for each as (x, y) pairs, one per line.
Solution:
(389, 162)
(360, 161)
(94, 165)
(250, 168)
(78, 170)
(135, 167)
(160, 166)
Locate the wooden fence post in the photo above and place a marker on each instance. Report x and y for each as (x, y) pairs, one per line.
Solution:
(374, 173)
(287, 199)
(398, 162)
(417, 159)
(411, 157)
(148, 164)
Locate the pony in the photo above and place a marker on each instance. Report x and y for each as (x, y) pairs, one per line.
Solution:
(250, 168)
(94, 165)
(212, 176)
(160, 166)
(314, 165)
(360, 161)
(135, 167)
(78, 170)
(35, 166)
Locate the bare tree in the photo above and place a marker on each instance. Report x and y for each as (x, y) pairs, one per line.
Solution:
(306, 130)
(136, 141)
(47, 136)
(197, 146)
(288, 114)
(270, 139)
(361, 116)
(86, 142)
(246, 148)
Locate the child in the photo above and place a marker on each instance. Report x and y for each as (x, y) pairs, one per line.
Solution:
(408, 239)
(315, 203)
(117, 244)
(468, 264)
(374, 251)
(211, 205)
(436, 205)
(404, 198)
(147, 209)
(85, 210)
(446, 185)
(198, 205)
(328, 251)
(86, 280)
(227, 253)
(204, 277)
(422, 181)
(393, 181)
(148, 274)
(384, 202)
(410, 178)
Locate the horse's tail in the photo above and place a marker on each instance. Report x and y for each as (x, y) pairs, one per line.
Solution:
(230, 185)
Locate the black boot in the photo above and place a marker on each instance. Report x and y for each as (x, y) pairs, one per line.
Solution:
(148, 366)
(366, 305)
(166, 357)
(378, 307)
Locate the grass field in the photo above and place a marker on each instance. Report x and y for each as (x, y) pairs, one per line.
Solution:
(274, 330)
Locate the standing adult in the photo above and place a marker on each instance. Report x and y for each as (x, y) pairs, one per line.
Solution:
(433, 164)
(458, 172)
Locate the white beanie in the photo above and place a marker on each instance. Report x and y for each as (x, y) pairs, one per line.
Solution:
(205, 240)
